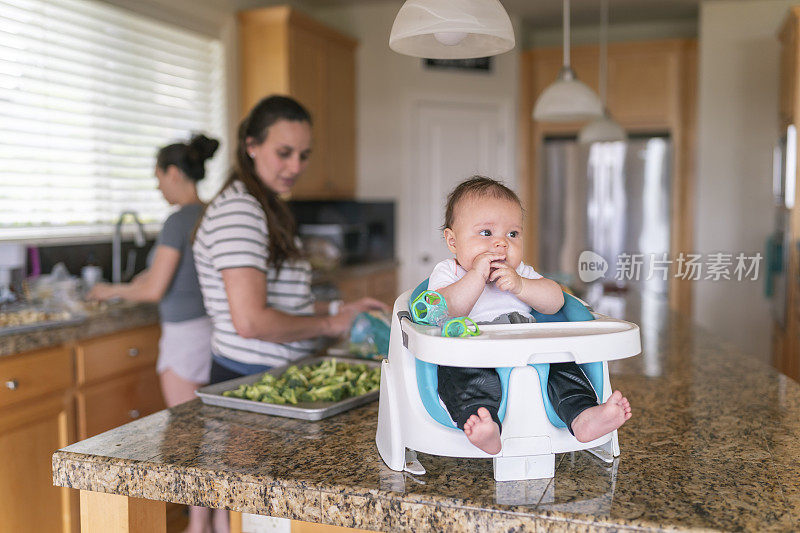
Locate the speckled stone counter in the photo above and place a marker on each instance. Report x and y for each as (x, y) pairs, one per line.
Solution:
(108, 319)
(714, 444)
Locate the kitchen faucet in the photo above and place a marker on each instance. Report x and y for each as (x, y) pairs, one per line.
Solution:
(116, 246)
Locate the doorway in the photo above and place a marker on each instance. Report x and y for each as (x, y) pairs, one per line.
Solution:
(447, 143)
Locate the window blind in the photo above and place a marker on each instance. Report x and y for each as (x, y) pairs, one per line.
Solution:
(88, 93)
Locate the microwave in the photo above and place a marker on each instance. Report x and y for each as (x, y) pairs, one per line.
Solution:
(350, 240)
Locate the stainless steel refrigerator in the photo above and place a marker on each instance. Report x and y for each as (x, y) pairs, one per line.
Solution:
(612, 199)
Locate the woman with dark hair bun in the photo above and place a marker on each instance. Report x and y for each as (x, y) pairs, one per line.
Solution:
(255, 281)
(171, 279)
(189, 158)
(184, 358)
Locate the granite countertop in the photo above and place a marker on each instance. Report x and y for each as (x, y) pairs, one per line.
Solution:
(100, 320)
(109, 318)
(712, 445)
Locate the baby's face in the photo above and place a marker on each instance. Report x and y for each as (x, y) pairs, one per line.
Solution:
(485, 225)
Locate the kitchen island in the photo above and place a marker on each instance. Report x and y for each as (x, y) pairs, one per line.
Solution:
(712, 445)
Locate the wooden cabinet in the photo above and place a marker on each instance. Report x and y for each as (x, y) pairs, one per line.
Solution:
(286, 52)
(113, 403)
(380, 284)
(110, 355)
(111, 379)
(340, 121)
(34, 375)
(383, 286)
(789, 68)
(36, 419)
(117, 381)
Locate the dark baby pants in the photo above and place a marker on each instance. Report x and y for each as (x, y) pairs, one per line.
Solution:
(464, 390)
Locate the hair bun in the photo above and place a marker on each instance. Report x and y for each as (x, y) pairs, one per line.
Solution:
(201, 148)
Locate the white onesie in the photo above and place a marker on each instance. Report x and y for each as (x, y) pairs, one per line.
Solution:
(492, 302)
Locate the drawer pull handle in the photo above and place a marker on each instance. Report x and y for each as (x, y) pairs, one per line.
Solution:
(134, 413)
(133, 352)
(12, 384)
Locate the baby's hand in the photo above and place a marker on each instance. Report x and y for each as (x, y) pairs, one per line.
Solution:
(487, 261)
(506, 279)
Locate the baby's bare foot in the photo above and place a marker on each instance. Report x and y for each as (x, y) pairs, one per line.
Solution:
(597, 421)
(483, 432)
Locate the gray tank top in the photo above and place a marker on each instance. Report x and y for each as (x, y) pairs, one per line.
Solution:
(183, 300)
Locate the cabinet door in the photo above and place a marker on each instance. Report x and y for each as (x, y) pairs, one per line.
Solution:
(307, 81)
(643, 84)
(118, 353)
(788, 69)
(383, 286)
(353, 288)
(341, 106)
(31, 375)
(29, 434)
(118, 401)
(263, 49)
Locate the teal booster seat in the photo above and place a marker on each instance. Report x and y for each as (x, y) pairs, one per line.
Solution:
(412, 419)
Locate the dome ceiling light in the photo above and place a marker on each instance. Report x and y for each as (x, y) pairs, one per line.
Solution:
(567, 99)
(605, 128)
(451, 29)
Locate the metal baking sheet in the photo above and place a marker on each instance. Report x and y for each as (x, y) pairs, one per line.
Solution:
(212, 394)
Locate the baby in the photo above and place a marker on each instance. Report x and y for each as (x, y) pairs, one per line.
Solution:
(488, 281)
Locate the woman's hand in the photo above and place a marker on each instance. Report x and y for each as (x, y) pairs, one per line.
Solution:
(149, 285)
(340, 323)
(366, 304)
(506, 279)
(101, 291)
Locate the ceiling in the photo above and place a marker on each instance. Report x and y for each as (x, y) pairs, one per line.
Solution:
(547, 13)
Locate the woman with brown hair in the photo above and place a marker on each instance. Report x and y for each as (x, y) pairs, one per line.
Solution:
(170, 279)
(184, 361)
(255, 282)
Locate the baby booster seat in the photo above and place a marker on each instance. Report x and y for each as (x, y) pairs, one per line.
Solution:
(411, 418)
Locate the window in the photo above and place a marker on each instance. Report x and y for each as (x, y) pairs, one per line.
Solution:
(88, 93)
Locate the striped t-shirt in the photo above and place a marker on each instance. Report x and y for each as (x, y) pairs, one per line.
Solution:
(233, 234)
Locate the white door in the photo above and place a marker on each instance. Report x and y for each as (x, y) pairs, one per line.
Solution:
(449, 143)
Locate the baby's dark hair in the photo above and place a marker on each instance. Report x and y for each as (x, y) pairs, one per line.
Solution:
(189, 157)
(476, 186)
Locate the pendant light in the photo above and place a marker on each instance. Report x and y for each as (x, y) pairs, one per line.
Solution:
(451, 29)
(603, 129)
(567, 99)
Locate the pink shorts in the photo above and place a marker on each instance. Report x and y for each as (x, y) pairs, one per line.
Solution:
(185, 348)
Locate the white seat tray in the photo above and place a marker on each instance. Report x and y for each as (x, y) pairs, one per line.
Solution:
(507, 345)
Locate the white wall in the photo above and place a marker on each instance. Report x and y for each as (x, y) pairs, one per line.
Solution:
(387, 85)
(737, 127)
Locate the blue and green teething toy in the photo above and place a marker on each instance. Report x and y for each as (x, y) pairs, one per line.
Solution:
(462, 326)
(429, 308)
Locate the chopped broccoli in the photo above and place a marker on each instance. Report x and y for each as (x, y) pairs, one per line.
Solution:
(328, 381)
